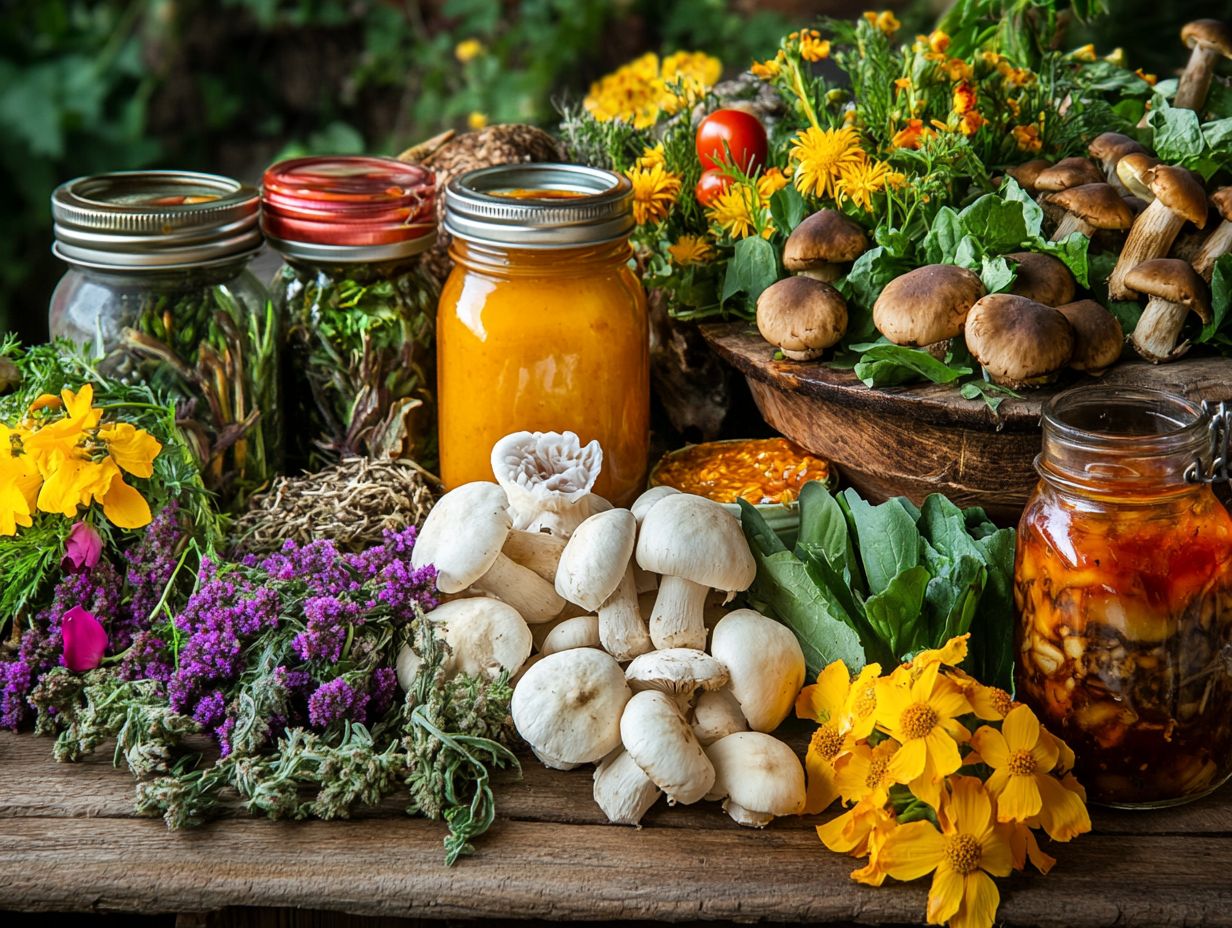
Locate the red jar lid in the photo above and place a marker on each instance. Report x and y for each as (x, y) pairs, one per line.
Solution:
(348, 207)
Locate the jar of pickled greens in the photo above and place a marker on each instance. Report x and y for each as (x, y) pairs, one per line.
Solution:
(542, 325)
(158, 287)
(357, 306)
(1123, 584)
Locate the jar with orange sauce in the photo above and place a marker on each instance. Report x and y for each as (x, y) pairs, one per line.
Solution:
(1123, 584)
(542, 325)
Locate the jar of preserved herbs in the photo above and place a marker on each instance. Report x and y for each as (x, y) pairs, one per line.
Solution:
(158, 286)
(358, 308)
(1123, 584)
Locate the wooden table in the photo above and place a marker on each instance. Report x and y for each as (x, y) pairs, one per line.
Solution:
(69, 842)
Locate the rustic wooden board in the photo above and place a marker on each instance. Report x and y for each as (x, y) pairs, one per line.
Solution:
(68, 842)
(926, 438)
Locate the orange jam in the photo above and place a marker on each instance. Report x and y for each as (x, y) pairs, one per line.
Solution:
(757, 470)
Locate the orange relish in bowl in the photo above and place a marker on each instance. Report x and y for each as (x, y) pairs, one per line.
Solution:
(758, 470)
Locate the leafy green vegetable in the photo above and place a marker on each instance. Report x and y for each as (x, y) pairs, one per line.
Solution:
(1221, 298)
(787, 209)
(754, 267)
(883, 364)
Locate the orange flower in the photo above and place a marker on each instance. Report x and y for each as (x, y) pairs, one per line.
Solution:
(964, 97)
(911, 135)
(971, 123)
(1149, 78)
(1028, 138)
(938, 41)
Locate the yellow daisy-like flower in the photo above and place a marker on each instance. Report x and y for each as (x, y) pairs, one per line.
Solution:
(854, 831)
(812, 46)
(694, 72)
(769, 183)
(733, 211)
(1027, 138)
(885, 21)
(820, 154)
(938, 41)
(468, 50)
(690, 249)
(19, 482)
(769, 69)
(476, 120)
(654, 192)
(652, 155)
(644, 90)
(864, 775)
(824, 702)
(858, 182)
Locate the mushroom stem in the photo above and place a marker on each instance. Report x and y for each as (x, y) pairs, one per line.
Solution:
(677, 620)
(826, 273)
(622, 789)
(747, 817)
(1195, 81)
(1069, 224)
(1150, 237)
(1217, 244)
(522, 588)
(622, 631)
(1158, 330)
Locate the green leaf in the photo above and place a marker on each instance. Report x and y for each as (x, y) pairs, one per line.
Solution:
(991, 649)
(761, 537)
(992, 394)
(1218, 135)
(895, 612)
(997, 274)
(822, 524)
(863, 284)
(943, 236)
(1032, 212)
(753, 268)
(885, 365)
(888, 539)
(1221, 297)
(787, 209)
(1072, 252)
(997, 224)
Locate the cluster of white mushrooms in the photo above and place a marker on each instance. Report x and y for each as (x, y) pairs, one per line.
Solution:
(548, 582)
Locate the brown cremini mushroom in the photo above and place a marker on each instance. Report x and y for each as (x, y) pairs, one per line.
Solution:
(1068, 172)
(1019, 342)
(926, 307)
(1042, 278)
(1098, 339)
(802, 317)
(1179, 198)
(823, 245)
(1110, 147)
(1174, 289)
(1209, 40)
(1219, 242)
(1028, 172)
(1089, 208)
(1132, 172)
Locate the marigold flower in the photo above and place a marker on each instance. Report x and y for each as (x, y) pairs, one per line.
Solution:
(468, 50)
(938, 41)
(654, 192)
(1027, 138)
(957, 69)
(858, 182)
(652, 155)
(733, 210)
(769, 183)
(812, 46)
(885, 21)
(964, 97)
(911, 135)
(769, 69)
(820, 154)
(971, 122)
(690, 249)
(902, 83)
(643, 90)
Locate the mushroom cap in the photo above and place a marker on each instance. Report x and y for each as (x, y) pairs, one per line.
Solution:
(644, 503)
(802, 316)
(485, 635)
(765, 663)
(595, 559)
(825, 237)
(581, 631)
(568, 705)
(1133, 171)
(1110, 147)
(926, 305)
(1221, 199)
(676, 671)
(758, 772)
(1098, 338)
(463, 534)
(1069, 172)
(1042, 278)
(1211, 33)
(655, 733)
(1028, 173)
(544, 473)
(1180, 191)
(716, 714)
(1173, 280)
(1018, 341)
(697, 539)
(1098, 205)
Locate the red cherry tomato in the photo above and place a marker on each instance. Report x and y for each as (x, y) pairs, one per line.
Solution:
(744, 137)
(712, 185)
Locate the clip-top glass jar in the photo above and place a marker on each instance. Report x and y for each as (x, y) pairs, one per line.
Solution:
(1123, 584)
(158, 286)
(542, 325)
(357, 305)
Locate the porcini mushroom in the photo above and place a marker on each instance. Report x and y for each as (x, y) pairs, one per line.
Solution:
(823, 245)
(1209, 40)
(1110, 147)
(1179, 198)
(676, 671)
(1133, 171)
(463, 536)
(485, 635)
(1042, 278)
(536, 551)
(568, 706)
(657, 737)
(548, 477)
(716, 715)
(765, 663)
(801, 317)
(1019, 342)
(1098, 339)
(1174, 290)
(1089, 208)
(759, 777)
(926, 307)
(581, 631)
(695, 545)
(1219, 242)
(1068, 172)
(1027, 173)
(622, 789)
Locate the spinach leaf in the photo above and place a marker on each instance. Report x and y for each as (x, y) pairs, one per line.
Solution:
(997, 274)
(996, 223)
(896, 612)
(822, 524)
(1221, 297)
(863, 284)
(787, 209)
(943, 237)
(889, 540)
(883, 364)
(753, 268)
(1032, 212)
(991, 649)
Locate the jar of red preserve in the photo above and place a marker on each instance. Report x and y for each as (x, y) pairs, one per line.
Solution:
(1123, 585)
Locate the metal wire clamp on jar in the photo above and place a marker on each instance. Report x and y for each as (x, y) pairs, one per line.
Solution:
(1123, 585)
(158, 285)
(542, 324)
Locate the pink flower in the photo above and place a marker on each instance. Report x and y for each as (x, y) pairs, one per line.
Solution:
(81, 549)
(84, 640)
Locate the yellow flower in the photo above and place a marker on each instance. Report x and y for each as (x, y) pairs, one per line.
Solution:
(1149, 78)
(911, 135)
(938, 41)
(820, 155)
(859, 181)
(964, 97)
(19, 482)
(690, 249)
(652, 155)
(133, 449)
(468, 50)
(771, 182)
(902, 83)
(1085, 53)
(960, 856)
(769, 69)
(694, 72)
(476, 120)
(1024, 847)
(645, 89)
(1028, 138)
(812, 46)
(825, 703)
(885, 21)
(957, 69)
(733, 210)
(852, 832)
(654, 191)
(864, 775)
(971, 122)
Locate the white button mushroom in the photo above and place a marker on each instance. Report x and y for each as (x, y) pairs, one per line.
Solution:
(485, 635)
(579, 632)
(717, 715)
(696, 545)
(548, 477)
(406, 667)
(644, 503)
(568, 705)
(766, 665)
(759, 777)
(656, 735)
(536, 551)
(622, 630)
(622, 789)
(676, 671)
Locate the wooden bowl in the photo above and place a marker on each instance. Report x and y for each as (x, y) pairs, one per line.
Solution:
(921, 439)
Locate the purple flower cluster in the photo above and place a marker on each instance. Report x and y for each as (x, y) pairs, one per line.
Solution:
(146, 658)
(384, 689)
(149, 567)
(336, 701)
(399, 585)
(327, 620)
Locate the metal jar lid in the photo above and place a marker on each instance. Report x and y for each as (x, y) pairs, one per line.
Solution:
(539, 206)
(154, 220)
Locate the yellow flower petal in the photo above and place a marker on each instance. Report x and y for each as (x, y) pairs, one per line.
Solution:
(969, 807)
(912, 850)
(823, 701)
(945, 895)
(821, 791)
(1021, 729)
(72, 485)
(979, 905)
(124, 506)
(908, 761)
(1020, 799)
(132, 448)
(1063, 814)
(995, 854)
(992, 747)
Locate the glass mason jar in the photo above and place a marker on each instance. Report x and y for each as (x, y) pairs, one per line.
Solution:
(542, 325)
(1123, 585)
(158, 287)
(357, 307)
